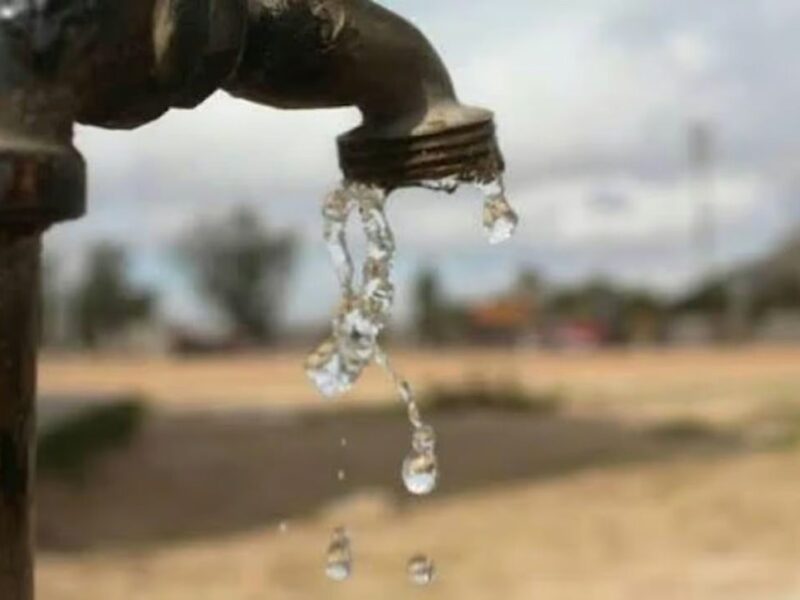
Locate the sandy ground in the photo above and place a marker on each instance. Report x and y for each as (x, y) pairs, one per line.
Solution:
(636, 379)
(680, 531)
(585, 504)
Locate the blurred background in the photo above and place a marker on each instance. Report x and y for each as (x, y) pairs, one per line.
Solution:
(616, 390)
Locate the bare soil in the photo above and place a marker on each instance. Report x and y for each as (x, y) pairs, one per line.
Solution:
(588, 503)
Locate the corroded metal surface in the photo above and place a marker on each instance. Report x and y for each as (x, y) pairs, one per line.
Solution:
(466, 154)
(123, 63)
(322, 53)
(19, 312)
(42, 176)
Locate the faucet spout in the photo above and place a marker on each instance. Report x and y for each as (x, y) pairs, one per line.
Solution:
(123, 63)
(329, 53)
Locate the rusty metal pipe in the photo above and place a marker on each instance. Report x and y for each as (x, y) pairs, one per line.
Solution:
(19, 316)
(41, 181)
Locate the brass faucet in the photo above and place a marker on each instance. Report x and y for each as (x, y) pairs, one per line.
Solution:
(123, 63)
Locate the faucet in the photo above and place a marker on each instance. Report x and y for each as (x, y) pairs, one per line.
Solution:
(122, 63)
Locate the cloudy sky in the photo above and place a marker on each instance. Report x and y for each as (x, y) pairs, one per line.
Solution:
(594, 99)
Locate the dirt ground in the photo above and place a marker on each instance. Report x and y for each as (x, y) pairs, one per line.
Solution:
(610, 498)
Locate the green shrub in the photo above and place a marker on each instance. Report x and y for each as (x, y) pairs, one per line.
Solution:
(508, 397)
(68, 447)
(684, 430)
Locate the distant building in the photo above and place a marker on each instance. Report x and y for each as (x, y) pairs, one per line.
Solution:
(578, 334)
(510, 320)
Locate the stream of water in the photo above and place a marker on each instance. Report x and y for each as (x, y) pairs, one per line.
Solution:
(364, 312)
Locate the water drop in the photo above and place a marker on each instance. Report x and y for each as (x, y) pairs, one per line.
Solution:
(499, 219)
(420, 472)
(339, 562)
(343, 442)
(283, 527)
(325, 368)
(341, 475)
(421, 570)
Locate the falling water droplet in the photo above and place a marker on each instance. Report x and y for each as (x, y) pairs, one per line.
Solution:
(339, 562)
(341, 475)
(343, 442)
(420, 472)
(365, 310)
(421, 570)
(283, 527)
(499, 218)
(420, 468)
(324, 368)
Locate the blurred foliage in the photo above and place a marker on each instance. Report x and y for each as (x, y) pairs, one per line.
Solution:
(776, 426)
(429, 308)
(627, 314)
(242, 269)
(481, 395)
(104, 302)
(684, 430)
(52, 302)
(767, 284)
(69, 446)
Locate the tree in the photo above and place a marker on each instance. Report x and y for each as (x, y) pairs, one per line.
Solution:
(52, 302)
(242, 269)
(429, 308)
(104, 301)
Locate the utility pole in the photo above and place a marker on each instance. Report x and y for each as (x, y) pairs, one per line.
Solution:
(736, 287)
(700, 163)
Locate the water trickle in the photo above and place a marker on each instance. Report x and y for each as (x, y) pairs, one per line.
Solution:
(365, 308)
(403, 388)
(499, 218)
(339, 561)
(421, 570)
(364, 311)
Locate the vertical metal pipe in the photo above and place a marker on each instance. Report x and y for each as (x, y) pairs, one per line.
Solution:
(19, 325)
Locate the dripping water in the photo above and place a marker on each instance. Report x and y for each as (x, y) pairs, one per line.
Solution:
(339, 560)
(499, 218)
(421, 570)
(364, 311)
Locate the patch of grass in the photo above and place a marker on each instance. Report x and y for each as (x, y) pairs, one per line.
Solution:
(506, 397)
(777, 428)
(68, 447)
(684, 430)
